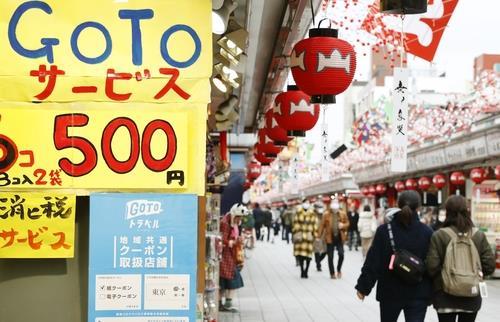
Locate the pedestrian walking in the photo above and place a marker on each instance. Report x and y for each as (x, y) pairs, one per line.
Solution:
(353, 232)
(367, 227)
(230, 277)
(401, 244)
(319, 244)
(459, 257)
(258, 215)
(333, 229)
(286, 219)
(268, 223)
(304, 230)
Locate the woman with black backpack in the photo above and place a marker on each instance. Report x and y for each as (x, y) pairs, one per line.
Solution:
(458, 258)
(395, 263)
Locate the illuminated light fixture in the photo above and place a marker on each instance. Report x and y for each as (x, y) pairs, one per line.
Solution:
(228, 57)
(234, 42)
(220, 17)
(229, 75)
(219, 84)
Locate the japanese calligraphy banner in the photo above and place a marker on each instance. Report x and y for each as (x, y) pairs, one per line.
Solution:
(97, 50)
(142, 252)
(399, 152)
(102, 146)
(34, 225)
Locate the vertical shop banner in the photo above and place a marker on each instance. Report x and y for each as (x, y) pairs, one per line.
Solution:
(143, 258)
(325, 173)
(399, 152)
(37, 225)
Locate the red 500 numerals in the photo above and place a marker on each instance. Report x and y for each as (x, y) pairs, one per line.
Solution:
(138, 147)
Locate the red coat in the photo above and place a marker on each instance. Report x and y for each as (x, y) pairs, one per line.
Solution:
(228, 262)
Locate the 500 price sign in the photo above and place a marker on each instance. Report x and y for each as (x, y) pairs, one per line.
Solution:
(98, 147)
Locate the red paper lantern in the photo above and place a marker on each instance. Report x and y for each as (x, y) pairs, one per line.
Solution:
(478, 175)
(439, 181)
(261, 157)
(254, 170)
(365, 191)
(372, 190)
(497, 172)
(266, 145)
(294, 113)
(274, 131)
(327, 199)
(411, 184)
(381, 189)
(247, 185)
(399, 186)
(424, 183)
(457, 178)
(323, 65)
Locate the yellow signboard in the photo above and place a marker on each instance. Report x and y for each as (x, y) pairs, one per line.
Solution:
(37, 225)
(104, 50)
(102, 147)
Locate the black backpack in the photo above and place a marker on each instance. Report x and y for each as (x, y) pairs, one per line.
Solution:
(408, 267)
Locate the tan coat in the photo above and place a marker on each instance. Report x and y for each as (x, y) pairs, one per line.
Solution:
(325, 227)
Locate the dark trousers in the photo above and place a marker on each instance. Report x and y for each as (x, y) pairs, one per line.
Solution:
(257, 230)
(318, 258)
(452, 317)
(414, 311)
(330, 248)
(304, 265)
(353, 239)
(268, 232)
(287, 231)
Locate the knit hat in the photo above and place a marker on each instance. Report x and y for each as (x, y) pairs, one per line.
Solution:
(238, 210)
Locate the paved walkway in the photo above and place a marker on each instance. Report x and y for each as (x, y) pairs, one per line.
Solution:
(274, 292)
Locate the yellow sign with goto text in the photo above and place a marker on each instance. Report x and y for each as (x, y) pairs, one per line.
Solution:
(103, 50)
(34, 225)
(102, 147)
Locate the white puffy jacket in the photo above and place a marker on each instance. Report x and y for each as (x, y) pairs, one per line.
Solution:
(367, 224)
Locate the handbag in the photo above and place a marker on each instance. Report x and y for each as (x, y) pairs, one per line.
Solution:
(319, 246)
(297, 237)
(408, 267)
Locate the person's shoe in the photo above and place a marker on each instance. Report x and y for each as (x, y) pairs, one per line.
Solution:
(302, 275)
(223, 308)
(339, 275)
(318, 269)
(333, 276)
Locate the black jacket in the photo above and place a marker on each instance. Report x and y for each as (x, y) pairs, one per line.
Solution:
(415, 239)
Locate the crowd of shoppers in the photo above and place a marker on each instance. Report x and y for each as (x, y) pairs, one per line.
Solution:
(389, 240)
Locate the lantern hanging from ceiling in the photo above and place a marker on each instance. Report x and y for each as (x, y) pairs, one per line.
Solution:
(266, 145)
(261, 157)
(254, 170)
(274, 131)
(247, 185)
(372, 190)
(403, 7)
(458, 179)
(399, 186)
(497, 172)
(381, 188)
(294, 113)
(365, 191)
(439, 180)
(411, 184)
(478, 175)
(323, 65)
(424, 184)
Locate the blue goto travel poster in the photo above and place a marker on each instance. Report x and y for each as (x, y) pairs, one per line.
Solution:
(143, 252)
